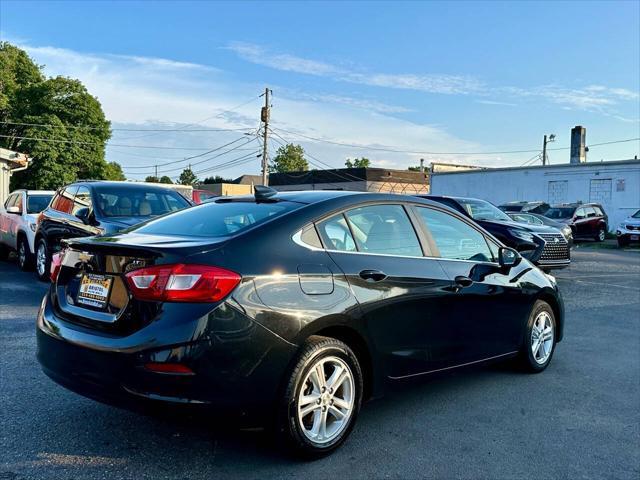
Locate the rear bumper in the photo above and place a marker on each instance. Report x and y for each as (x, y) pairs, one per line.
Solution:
(234, 373)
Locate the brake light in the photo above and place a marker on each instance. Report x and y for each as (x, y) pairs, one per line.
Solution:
(182, 283)
(174, 368)
(56, 265)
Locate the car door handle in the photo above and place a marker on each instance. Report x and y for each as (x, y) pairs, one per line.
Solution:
(373, 275)
(462, 281)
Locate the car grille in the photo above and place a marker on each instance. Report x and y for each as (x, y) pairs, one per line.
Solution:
(556, 248)
(634, 227)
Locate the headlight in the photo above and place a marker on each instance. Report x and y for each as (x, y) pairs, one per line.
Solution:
(566, 231)
(522, 235)
(33, 226)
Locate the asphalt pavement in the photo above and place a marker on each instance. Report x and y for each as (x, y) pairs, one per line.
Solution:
(578, 419)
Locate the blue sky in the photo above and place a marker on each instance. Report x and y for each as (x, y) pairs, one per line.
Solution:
(451, 80)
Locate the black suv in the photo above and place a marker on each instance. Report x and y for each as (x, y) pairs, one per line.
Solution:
(528, 207)
(545, 246)
(88, 208)
(587, 220)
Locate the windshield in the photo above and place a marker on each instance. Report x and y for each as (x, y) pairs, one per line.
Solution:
(636, 215)
(560, 212)
(216, 219)
(37, 203)
(137, 202)
(481, 210)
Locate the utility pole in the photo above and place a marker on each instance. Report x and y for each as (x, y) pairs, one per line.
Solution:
(156, 171)
(264, 117)
(552, 138)
(422, 165)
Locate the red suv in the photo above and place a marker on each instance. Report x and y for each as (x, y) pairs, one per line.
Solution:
(587, 220)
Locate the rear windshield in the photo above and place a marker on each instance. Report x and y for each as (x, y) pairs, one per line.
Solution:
(137, 202)
(37, 203)
(216, 219)
(560, 212)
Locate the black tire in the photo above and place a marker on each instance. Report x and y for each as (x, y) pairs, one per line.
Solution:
(601, 235)
(528, 360)
(4, 252)
(43, 275)
(25, 257)
(288, 425)
(622, 242)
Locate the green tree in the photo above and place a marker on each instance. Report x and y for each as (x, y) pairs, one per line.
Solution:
(113, 171)
(289, 158)
(165, 179)
(187, 177)
(414, 169)
(358, 163)
(217, 179)
(152, 179)
(53, 120)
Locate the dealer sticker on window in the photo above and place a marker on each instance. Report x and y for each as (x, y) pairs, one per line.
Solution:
(94, 290)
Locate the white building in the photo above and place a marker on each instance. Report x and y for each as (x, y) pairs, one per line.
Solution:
(615, 185)
(10, 162)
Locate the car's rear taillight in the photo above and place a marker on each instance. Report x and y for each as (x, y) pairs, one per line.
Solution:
(56, 264)
(182, 283)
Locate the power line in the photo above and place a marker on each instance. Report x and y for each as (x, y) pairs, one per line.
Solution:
(393, 149)
(74, 142)
(77, 127)
(232, 163)
(188, 158)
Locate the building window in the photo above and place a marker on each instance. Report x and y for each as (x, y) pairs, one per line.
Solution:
(557, 191)
(600, 190)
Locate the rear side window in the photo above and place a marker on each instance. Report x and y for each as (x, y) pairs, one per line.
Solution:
(216, 219)
(384, 229)
(82, 200)
(64, 200)
(590, 212)
(454, 238)
(336, 234)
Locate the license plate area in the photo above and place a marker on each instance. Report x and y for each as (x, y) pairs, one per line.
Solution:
(94, 290)
(635, 237)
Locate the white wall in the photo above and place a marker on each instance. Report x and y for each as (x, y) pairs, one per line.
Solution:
(615, 185)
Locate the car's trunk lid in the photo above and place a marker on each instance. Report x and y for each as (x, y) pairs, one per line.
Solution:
(91, 288)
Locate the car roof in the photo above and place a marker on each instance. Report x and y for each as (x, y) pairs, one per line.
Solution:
(34, 192)
(121, 185)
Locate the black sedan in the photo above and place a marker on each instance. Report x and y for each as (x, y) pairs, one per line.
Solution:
(292, 308)
(543, 245)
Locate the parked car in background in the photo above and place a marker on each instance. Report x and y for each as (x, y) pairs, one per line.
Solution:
(629, 230)
(529, 207)
(290, 308)
(587, 220)
(201, 196)
(537, 219)
(18, 217)
(542, 245)
(90, 207)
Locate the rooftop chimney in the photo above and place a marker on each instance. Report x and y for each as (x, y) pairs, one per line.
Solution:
(578, 140)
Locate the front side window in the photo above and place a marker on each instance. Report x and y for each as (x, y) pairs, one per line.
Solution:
(590, 212)
(384, 229)
(454, 238)
(10, 202)
(37, 203)
(336, 234)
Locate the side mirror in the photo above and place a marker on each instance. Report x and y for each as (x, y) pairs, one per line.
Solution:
(83, 214)
(14, 210)
(508, 257)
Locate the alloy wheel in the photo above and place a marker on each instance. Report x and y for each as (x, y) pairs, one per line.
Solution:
(41, 259)
(22, 255)
(326, 400)
(542, 338)
(601, 235)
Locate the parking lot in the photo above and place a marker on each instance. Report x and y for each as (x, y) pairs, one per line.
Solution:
(580, 418)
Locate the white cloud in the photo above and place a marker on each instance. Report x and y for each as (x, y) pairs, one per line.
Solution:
(433, 83)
